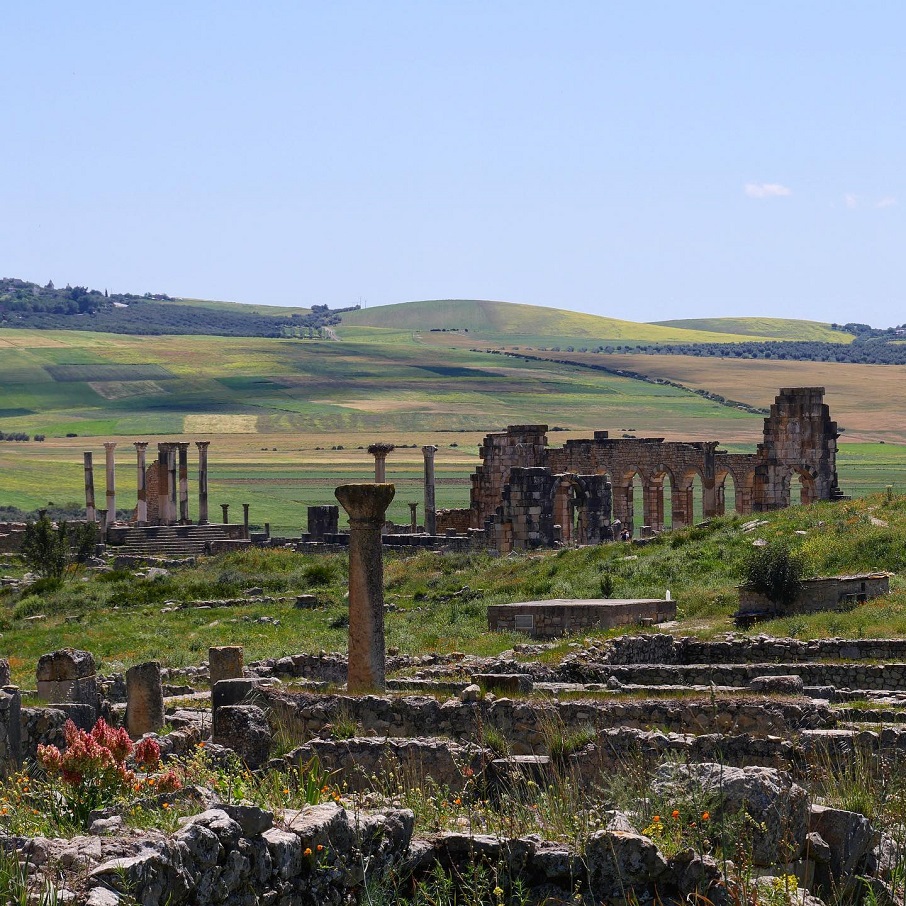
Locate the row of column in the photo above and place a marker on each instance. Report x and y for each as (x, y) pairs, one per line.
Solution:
(173, 489)
(681, 503)
(380, 452)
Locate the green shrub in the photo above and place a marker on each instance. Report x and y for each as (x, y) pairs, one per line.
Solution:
(45, 547)
(775, 571)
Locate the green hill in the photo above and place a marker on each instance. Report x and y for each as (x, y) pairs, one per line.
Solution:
(510, 322)
(775, 328)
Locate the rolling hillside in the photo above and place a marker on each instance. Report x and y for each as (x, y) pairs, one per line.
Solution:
(774, 328)
(508, 322)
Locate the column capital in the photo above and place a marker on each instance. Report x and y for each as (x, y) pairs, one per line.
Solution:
(140, 445)
(429, 450)
(183, 445)
(110, 445)
(202, 444)
(365, 502)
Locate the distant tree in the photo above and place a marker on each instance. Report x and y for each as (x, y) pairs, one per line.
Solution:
(45, 547)
(775, 571)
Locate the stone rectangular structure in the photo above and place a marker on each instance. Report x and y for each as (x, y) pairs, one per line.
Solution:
(823, 593)
(559, 616)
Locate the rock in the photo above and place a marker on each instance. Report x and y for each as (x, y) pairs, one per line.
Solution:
(103, 896)
(156, 572)
(156, 871)
(307, 602)
(849, 835)
(105, 827)
(622, 864)
(471, 694)
(63, 665)
(770, 798)
(245, 730)
(285, 849)
(816, 848)
(507, 683)
(255, 592)
(779, 685)
(250, 818)
(225, 829)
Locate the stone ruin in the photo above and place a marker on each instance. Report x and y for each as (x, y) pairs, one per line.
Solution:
(526, 494)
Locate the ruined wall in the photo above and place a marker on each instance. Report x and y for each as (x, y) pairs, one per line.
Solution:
(800, 442)
(459, 520)
(834, 593)
(544, 620)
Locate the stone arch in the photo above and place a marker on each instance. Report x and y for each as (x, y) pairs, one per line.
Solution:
(624, 497)
(717, 504)
(808, 492)
(745, 489)
(567, 506)
(653, 495)
(682, 497)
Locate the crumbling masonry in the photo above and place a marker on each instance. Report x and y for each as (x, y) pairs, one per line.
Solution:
(526, 494)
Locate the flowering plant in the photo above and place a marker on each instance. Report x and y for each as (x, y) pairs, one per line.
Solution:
(92, 768)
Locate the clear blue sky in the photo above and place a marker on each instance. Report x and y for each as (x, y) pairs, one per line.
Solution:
(645, 160)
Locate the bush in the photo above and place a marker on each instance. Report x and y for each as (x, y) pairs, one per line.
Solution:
(775, 571)
(45, 548)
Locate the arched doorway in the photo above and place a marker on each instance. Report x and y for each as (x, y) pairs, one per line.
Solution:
(567, 510)
(806, 492)
(627, 494)
(686, 499)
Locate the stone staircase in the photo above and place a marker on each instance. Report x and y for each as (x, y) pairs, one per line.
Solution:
(169, 541)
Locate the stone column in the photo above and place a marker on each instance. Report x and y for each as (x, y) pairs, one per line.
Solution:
(366, 505)
(245, 520)
(430, 507)
(653, 504)
(144, 699)
(379, 452)
(413, 517)
(141, 509)
(202, 481)
(225, 662)
(163, 493)
(623, 499)
(102, 522)
(226, 513)
(110, 446)
(183, 482)
(90, 512)
(172, 484)
(681, 505)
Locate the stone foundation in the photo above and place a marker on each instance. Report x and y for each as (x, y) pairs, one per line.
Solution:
(550, 619)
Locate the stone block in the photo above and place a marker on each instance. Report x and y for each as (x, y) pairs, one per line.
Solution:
(65, 665)
(225, 663)
(144, 699)
(245, 730)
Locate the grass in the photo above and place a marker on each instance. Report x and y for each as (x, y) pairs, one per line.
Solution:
(517, 323)
(119, 617)
(777, 328)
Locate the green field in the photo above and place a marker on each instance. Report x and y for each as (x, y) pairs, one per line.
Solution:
(507, 322)
(772, 328)
(275, 409)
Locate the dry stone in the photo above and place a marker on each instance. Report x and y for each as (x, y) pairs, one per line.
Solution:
(144, 699)
(225, 662)
(245, 730)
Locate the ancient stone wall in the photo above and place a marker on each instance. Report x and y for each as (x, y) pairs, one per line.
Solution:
(800, 443)
(830, 593)
(550, 619)
(459, 521)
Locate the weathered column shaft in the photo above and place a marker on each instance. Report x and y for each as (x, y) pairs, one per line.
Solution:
(141, 508)
(163, 494)
(172, 484)
(202, 481)
(413, 517)
(430, 505)
(226, 513)
(111, 481)
(379, 452)
(90, 511)
(366, 505)
(183, 482)
(245, 519)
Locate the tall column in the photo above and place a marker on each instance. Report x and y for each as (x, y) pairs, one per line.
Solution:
(202, 481)
(623, 506)
(183, 482)
(413, 517)
(430, 507)
(90, 511)
(226, 513)
(163, 492)
(366, 505)
(110, 446)
(172, 484)
(379, 452)
(141, 509)
(245, 520)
